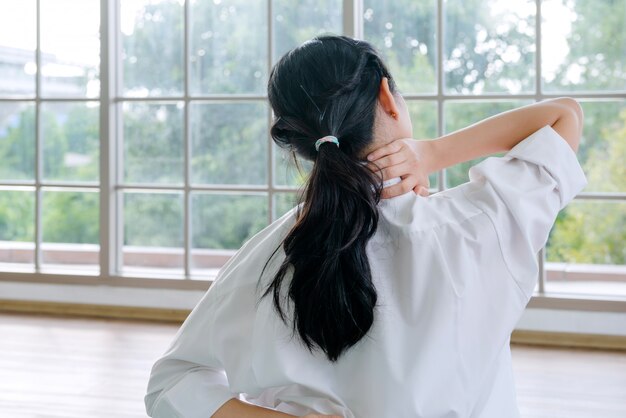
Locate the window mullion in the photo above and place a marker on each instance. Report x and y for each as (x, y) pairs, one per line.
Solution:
(353, 18)
(270, 148)
(538, 75)
(107, 139)
(441, 174)
(187, 227)
(541, 280)
(542, 271)
(38, 142)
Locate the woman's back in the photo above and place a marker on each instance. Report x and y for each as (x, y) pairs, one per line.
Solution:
(453, 273)
(364, 308)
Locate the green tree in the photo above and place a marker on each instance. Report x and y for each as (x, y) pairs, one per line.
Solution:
(483, 52)
(17, 142)
(595, 232)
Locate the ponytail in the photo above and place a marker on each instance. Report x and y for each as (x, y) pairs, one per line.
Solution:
(331, 288)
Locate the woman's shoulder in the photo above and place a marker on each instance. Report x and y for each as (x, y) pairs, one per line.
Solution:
(412, 212)
(245, 266)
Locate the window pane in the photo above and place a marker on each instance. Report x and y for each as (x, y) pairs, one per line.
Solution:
(283, 202)
(294, 25)
(424, 120)
(602, 150)
(18, 21)
(404, 33)
(489, 46)
(17, 141)
(460, 114)
(70, 48)
(153, 142)
(223, 222)
(70, 137)
(17, 228)
(153, 233)
(71, 229)
(152, 43)
(229, 143)
(228, 46)
(286, 171)
(585, 251)
(586, 46)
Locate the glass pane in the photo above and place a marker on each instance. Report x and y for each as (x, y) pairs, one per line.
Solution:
(153, 142)
(294, 25)
(602, 150)
(283, 202)
(70, 48)
(460, 114)
(71, 229)
(152, 47)
(586, 46)
(71, 141)
(489, 46)
(228, 46)
(17, 228)
(404, 32)
(17, 141)
(18, 40)
(223, 222)
(286, 172)
(585, 252)
(153, 233)
(424, 120)
(229, 143)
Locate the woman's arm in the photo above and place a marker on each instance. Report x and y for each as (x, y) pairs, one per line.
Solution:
(235, 408)
(501, 132)
(415, 160)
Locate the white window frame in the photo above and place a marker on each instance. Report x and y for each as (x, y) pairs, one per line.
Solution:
(111, 186)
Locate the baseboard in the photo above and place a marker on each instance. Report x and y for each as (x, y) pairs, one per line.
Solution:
(527, 337)
(94, 311)
(567, 339)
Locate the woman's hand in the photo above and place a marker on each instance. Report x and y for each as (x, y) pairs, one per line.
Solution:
(406, 158)
(321, 416)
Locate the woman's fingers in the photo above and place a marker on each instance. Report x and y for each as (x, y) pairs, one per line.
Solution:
(410, 182)
(406, 184)
(421, 190)
(322, 416)
(405, 168)
(387, 161)
(390, 148)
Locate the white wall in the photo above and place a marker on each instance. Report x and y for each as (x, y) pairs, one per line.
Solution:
(588, 322)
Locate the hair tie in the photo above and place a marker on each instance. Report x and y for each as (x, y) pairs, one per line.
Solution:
(328, 138)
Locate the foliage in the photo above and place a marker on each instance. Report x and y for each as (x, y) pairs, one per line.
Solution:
(486, 50)
(595, 232)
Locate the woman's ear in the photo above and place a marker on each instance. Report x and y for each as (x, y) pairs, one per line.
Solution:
(386, 99)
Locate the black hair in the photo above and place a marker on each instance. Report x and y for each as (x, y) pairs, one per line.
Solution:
(329, 85)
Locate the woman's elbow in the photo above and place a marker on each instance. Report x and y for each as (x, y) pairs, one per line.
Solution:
(570, 122)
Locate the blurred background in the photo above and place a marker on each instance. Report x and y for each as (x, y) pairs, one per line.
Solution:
(135, 155)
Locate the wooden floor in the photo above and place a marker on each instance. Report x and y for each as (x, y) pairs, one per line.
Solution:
(70, 368)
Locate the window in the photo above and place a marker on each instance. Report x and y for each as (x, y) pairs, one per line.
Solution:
(135, 133)
(458, 62)
(50, 136)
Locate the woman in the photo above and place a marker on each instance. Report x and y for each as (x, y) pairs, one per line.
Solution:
(371, 299)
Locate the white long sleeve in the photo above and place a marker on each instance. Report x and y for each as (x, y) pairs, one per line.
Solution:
(453, 273)
(189, 380)
(523, 192)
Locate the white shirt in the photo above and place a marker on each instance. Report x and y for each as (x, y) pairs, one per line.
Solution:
(453, 272)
